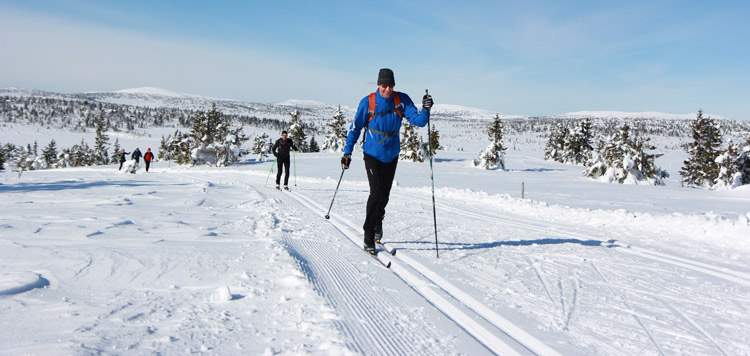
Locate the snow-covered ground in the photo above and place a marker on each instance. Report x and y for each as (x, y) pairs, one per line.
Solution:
(208, 260)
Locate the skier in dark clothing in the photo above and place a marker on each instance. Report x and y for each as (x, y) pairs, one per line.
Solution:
(148, 157)
(122, 158)
(136, 156)
(380, 114)
(281, 150)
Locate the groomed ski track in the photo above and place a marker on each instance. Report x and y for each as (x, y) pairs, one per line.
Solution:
(372, 322)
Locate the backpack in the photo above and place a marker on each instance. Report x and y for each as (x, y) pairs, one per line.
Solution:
(399, 108)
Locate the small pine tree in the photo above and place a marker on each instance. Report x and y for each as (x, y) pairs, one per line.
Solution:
(411, 145)
(115, 159)
(313, 145)
(164, 153)
(261, 146)
(734, 166)
(623, 160)
(434, 142)
(101, 141)
(297, 132)
(3, 158)
(556, 145)
(700, 169)
(49, 154)
(336, 139)
(493, 156)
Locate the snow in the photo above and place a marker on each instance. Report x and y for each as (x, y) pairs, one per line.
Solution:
(210, 260)
(154, 91)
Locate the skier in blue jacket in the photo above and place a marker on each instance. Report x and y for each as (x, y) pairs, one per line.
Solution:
(380, 115)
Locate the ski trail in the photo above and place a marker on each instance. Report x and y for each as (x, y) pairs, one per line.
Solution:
(630, 310)
(720, 272)
(539, 275)
(365, 319)
(695, 325)
(480, 333)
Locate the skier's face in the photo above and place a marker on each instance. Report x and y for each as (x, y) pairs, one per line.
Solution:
(283, 136)
(385, 90)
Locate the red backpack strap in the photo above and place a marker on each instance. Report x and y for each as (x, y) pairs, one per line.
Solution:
(399, 108)
(397, 102)
(371, 108)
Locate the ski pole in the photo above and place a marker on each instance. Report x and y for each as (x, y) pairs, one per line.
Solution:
(294, 156)
(269, 172)
(334, 193)
(434, 214)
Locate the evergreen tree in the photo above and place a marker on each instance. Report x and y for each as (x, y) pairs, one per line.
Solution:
(211, 140)
(82, 155)
(115, 159)
(623, 159)
(313, 145)
(434, 142)
(570, 145)
(101, 141)
(336, 139)
(297, 132)
(556, 145)
(49, 154)
(411, 145)
(734, 166)
(700, 169)
(578, 143)
(3, 157)
(493, 156)
(261, 146)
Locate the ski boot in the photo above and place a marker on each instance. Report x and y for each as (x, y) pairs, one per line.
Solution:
(286, 187)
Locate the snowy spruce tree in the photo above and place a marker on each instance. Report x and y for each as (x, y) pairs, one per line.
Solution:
(101, 141)
(313, 145)
(570, 145)
(49, 155)
(336, 139)
(261, 147)
(700, 169)
(213, 141)
(623, 159)
(493, 156)
(297, 132)
(734, 166)
(557, 144)
(115, 158)
(411, 145)
(433, 144)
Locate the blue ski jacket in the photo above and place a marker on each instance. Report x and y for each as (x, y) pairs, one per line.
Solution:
(377, 142)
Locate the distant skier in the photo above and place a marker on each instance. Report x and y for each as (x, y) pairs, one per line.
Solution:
(148, 157)
(380, 114)
(136, 155)
(281, 150)
(123, 154)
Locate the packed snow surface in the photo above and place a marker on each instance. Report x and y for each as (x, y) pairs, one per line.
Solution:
(202, 260)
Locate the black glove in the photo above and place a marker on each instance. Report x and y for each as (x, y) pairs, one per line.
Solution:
(427, 101)
(345, 161)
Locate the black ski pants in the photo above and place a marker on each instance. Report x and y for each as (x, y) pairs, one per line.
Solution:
(380, 176)
(282, 162)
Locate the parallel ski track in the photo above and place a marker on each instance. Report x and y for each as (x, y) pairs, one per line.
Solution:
(523, 343)
(720, 272)
(365, 322)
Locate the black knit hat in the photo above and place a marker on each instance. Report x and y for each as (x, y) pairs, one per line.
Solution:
(385, 77)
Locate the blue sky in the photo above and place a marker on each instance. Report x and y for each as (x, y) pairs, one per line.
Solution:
(512, 57)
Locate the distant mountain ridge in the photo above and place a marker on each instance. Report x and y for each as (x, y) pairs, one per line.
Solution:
(158, 97)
